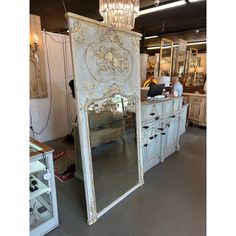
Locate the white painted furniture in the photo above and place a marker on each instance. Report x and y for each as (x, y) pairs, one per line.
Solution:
(106, 63)
(197, 108)
(163, 121)
(157, 144)
(43, 200)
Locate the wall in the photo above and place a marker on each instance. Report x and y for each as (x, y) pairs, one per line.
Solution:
(59, 107)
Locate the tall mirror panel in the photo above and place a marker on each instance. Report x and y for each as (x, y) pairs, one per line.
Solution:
(166, 52)
(112, 128)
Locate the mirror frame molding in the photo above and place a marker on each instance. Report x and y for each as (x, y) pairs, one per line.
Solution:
(163, 40)
(191, 50)
(84, 33)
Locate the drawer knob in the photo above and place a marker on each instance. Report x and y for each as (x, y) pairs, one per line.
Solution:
(157, 118)
(145, 127)
(173, 116)
(151, 137)
(155, 135)
(145, 145)
(163, 133)
(152, 114)
(160, 128)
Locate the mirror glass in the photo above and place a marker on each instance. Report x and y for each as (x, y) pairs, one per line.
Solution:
(113, 141)
(166, 57)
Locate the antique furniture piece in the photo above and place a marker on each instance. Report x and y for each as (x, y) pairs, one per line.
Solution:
(163, 121)
(166, 52)
(38, 83)
(106, 64)
(43, 200)
(197, 108)
(192, 65)
(181, 57)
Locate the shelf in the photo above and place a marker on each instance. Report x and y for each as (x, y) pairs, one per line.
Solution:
(42, 188)
(36, 166)
(39, 218)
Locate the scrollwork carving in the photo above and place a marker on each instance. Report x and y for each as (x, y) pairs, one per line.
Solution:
(75, 27)
(112, 90)
(111, 35)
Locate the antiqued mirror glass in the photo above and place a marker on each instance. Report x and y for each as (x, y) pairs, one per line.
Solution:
(166, 52)
(113, 142)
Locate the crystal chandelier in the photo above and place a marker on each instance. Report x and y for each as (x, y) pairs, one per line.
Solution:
(120, 13)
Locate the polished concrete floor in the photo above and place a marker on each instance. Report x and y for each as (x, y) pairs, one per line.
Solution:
(172, 202)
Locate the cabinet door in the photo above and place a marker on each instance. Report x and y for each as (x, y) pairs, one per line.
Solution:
(151, 145)
(172, 106)
(182, 122)
(151, 112)
(169, 140)
(194, 110)
(43, 201)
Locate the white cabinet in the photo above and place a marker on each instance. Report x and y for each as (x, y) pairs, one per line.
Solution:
(163, 121)
(43, 212)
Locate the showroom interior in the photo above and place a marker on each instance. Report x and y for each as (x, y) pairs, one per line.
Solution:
(115, 147)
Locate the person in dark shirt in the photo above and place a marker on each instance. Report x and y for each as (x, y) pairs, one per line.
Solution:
(72, 87)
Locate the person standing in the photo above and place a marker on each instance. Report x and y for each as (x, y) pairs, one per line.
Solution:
(177, 86)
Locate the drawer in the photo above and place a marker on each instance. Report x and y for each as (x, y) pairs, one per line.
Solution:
(191, 99)
(151, 112)
(150, 132)
(172, 106)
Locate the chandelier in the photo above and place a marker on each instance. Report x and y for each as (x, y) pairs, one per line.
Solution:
(120, 13)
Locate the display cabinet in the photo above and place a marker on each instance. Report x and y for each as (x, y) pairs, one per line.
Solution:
(42, 191)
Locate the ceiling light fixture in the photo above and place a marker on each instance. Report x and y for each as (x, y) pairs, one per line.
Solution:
(151, 37)
(176, 45)
(195, 0)
(162, 7)
(120, 14)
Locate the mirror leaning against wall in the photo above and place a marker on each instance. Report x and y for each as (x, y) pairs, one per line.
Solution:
(113, 141)
(107, 89)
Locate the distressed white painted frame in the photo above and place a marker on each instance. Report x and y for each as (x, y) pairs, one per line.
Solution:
(88, 89)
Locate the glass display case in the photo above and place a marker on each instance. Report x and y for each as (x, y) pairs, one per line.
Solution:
(43, 212)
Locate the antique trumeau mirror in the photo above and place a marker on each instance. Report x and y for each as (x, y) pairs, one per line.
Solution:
(166, 52)
(192, 67)
(181, 57)
(107, 88)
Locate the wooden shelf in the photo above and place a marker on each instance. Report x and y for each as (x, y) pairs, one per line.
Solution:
(42, 188)
(36, 166)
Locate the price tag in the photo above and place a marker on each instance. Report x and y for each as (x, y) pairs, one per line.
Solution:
(47, 176)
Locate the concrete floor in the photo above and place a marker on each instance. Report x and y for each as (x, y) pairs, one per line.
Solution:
(172, 202)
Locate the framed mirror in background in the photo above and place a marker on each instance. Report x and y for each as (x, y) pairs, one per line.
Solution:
(192, 67)
(166, 52)
(181, 58)
(114, 151)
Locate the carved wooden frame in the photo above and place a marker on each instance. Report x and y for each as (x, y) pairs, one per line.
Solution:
(90, 86)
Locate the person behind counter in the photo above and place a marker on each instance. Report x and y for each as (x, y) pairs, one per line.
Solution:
(177, 86)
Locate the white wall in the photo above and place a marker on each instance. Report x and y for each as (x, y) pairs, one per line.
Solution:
(59, 72)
